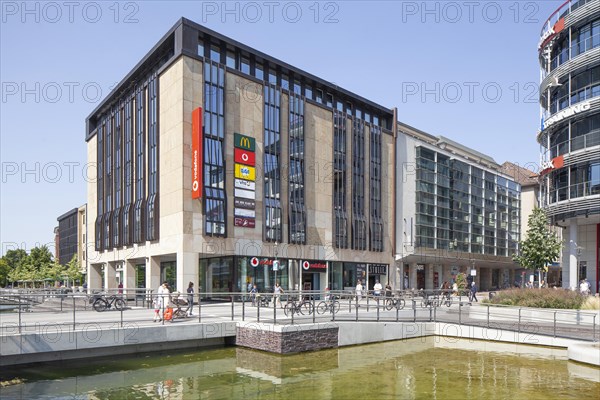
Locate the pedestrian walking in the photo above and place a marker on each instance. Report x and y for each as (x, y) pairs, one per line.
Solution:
(277, 293)
(190, 298)
(474, 292)
(359, 290)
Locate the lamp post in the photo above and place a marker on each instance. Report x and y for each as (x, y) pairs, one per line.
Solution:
(275, 264)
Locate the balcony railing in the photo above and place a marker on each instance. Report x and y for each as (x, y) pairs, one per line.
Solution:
(575, 191)
(578, 143)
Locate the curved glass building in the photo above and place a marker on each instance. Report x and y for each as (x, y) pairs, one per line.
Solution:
(569, 55)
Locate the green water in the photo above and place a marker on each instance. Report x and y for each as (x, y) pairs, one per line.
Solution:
(424, 368)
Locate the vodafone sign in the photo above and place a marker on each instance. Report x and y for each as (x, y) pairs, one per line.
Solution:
(305, 265)
(197, 153)
(245, 157)
(254, 262)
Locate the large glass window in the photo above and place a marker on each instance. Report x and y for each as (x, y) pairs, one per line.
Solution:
(359, 223)
(271, 168)
(297, 207)
(128, 173)
(215, 199)
(140, 170)
(339, 181)
(152, 206)
(99, 224)
(376, 234)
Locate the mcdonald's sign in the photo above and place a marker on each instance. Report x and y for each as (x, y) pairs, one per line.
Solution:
(197, 153)
(244, 142)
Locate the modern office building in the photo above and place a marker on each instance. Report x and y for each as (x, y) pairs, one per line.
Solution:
(223, 166)
(457, 212)
(569, 55)
(70, 236)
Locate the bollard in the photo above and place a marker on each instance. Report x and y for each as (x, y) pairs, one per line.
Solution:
(554, 323)
(435, 314)
(314, 310)
(357, 309)
(519, 324)
(243, 310)
(257, 308)
(460, 304)
(414, 310)
(121, 317)
(19, 313)
(232, 308)
(274, 310)
(397, 311)
(488, 316)
(199, 308)
(73, 313)
(377, 309)
(594, 328)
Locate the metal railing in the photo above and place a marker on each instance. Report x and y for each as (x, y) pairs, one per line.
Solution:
(67, 312)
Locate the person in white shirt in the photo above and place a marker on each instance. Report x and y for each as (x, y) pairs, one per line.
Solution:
(278, 292)
(359, 290)
(377, 288)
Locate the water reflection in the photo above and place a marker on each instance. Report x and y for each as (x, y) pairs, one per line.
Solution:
(437, 368)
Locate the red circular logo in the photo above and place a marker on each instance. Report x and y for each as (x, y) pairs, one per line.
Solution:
(254, 262)
(306, 265)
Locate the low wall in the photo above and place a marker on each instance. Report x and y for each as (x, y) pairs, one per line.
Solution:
(52, 344)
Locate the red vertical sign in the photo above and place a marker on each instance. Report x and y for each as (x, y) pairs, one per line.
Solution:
(197, 153)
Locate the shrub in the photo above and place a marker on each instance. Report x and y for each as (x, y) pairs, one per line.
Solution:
(591, 303)
(539, 298)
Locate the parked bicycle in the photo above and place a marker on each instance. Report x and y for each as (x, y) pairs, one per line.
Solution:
(331, 305)
(104, 303)
(447, 298)
(394, 302)
(303, 307)
(430, 300)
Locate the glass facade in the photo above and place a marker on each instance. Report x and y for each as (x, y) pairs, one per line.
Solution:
(359, 222)
(583, 38)
(271, 167)
(127, 174)
(339, 181)
(462, 208)
(375, 205)
(297, 207)
(215, 198)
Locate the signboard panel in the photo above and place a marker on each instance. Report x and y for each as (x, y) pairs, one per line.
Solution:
(243, 184)
(244, 203)
(197, 153)
(244, 194)
(377, 269)
(245, 172)
(245, 157)
(240, 212)
(244, 222)
(243, 142)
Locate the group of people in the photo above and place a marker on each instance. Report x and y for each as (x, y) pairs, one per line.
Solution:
(277, 292)
(162, 300)
(377, 290)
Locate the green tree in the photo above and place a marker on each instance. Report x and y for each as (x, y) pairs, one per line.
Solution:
(73, 270)
(542, 246)
(4, 270)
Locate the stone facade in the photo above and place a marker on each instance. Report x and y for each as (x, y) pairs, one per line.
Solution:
(288, 339)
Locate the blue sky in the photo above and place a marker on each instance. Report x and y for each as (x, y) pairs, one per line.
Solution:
(465, 70)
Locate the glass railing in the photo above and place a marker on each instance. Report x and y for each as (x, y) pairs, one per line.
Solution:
(578, 143)
(576, 49)
(566, 101)
(575, 191)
